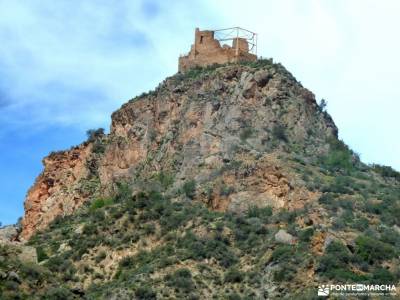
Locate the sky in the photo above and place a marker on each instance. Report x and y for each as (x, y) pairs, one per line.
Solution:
(66, 65)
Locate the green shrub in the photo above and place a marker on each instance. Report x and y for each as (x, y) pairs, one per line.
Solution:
(197, 71)
(345, 275)
(284, 273)
(259, 212)
(346, 204)
(361, 224)
(124, 193)
(181, 280)
(339, 158)
(334, 264)
(259, 63)
(59, 293)
(145, 293)
(279, 133)
(254, 226)
(31, 272)
(339, 251)
(11, 285)
(89, 229)
(98, 216)
(246, 133)
(126, 262)
(306, 234)
(149, 229)
(373, 207)
(100, 202)
(386, 171)
(372, 250)
(98, 147)
(390, 236)
(326, 198)
(94, 134)
(141, 200)
(282, 253)
(56, 264)
(201, 248)
(189, 188)
(233, 296)
(341, 185)
(286, 216)
(165, 179)
(41, 254)
(383, 276)
(233, 275)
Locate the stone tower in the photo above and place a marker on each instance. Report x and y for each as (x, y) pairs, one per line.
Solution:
(207, 49)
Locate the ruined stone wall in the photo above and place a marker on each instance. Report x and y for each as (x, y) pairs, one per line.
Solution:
(206, 50)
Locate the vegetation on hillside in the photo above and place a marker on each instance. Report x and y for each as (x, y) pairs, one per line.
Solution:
(152, 239)
(184, 249)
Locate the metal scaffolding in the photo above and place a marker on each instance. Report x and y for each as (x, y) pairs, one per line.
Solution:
(235, 33)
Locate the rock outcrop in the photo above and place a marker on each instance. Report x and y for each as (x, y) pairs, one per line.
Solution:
(285, 238)
(8, 233)
(59, 190)
(222, 128)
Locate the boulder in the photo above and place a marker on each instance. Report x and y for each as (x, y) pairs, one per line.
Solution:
(262, 77)
(28, 254)
(8, 233)
(285, 238)
(64, 247)
(14, 276)
(328, 240)
(79, 229)
(248, 85)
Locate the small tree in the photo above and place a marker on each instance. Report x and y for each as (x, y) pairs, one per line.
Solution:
(322, 105)
(94, 134)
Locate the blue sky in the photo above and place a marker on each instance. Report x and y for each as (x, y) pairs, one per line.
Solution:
(65, 66)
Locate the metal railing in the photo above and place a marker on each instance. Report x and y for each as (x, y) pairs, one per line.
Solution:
(236, 33)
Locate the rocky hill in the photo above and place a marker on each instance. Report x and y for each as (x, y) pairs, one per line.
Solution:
(190, 128)
(226, 182)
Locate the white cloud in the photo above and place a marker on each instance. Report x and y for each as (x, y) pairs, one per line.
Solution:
(70, 62)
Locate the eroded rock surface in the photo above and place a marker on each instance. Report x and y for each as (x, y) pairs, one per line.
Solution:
(222, 128)
(59, 190)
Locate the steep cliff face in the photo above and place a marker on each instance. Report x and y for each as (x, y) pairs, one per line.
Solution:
(225, 129)
(58, 190)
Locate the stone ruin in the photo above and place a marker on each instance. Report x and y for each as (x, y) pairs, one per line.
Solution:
(207, 49)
